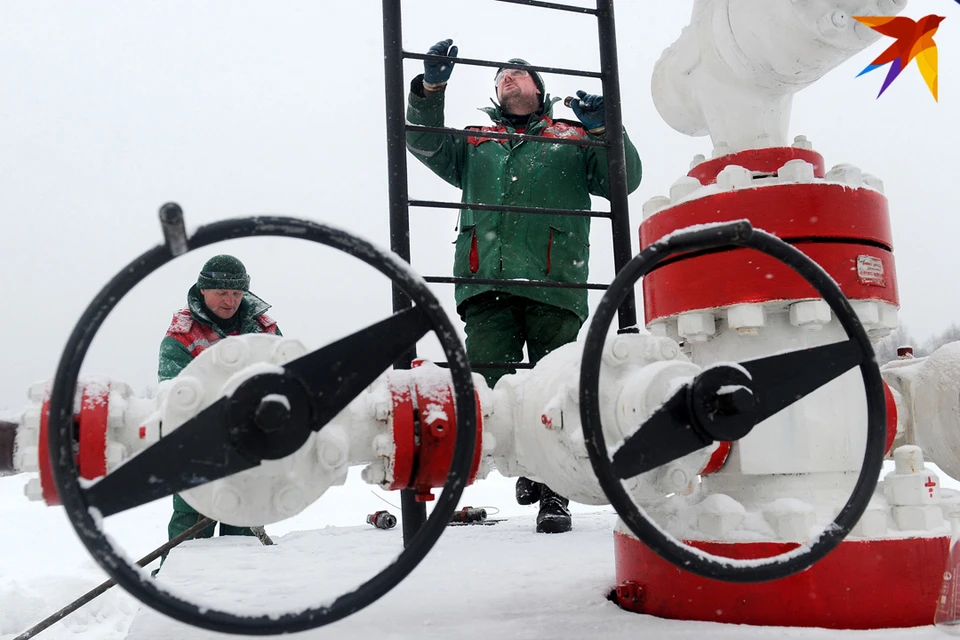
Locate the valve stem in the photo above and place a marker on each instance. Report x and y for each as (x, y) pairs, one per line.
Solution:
(174, 232)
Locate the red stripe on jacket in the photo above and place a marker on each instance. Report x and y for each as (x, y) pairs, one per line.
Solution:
(553, 129)
(197, 337)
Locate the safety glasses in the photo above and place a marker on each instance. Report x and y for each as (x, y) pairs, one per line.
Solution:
(513, 73)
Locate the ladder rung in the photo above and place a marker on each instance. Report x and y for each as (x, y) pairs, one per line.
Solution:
(552, 5)
(506, 136)
(433, 204)
(516, 283)
(496, 65)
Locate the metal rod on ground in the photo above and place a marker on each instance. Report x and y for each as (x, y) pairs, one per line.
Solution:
(97, 591)
(261, 534)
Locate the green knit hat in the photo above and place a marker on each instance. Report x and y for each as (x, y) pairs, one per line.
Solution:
(223, 272)
(537, 79)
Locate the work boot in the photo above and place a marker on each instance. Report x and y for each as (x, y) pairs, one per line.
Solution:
(528, 491)
(554, 517)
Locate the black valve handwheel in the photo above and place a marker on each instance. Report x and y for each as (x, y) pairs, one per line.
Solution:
(700, 413)
(317, 385)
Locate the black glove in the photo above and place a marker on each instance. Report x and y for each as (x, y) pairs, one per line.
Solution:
(438, 71)
(589, 110)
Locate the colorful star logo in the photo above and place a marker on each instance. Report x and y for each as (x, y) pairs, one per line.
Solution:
(914, 40)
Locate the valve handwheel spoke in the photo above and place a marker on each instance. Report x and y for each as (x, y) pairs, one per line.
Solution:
(664, 437)
(782, 379)
(337, 373)
(677, 428)
(198, 452)
(237, 432)
(725, 402)
(319, 385)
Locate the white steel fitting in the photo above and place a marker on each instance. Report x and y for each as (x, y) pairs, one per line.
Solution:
(734, 177)
(536, 417)
(796, 171)
(803, 437)
(696, 326)
(697, 159)
(746, 319)
(810, 314)
(845, 174)
(801, 142)
(928, 411)
(375, 473)
(275, 489)
(655, 204)
(726, 78)
(28, 434)
(872, 524)
(791, 519)
(719, 515)
(873, 182)
(878, 318)
(125, 415)
(913, 491)
(911, 482)
(682, 188)
(720, 149)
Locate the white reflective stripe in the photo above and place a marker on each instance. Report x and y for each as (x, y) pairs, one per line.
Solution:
(201, 343)
(421, 152)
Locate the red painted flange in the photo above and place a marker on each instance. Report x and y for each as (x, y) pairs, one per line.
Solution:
(744, 276)
(91, 455)
(891, 417)
(846, 231)
(862, 584)
(789, 211)
(437, 429)
(94, 411)
(404, 436)
(760, 160)
(424, 426)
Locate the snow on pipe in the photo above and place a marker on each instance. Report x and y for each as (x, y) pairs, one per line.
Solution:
(730, 79)
(927, 395)
(108, 420)
(534, 417)
(400, 427)
(418, 451)
(112, 426)
(530, 424)
(732, 75)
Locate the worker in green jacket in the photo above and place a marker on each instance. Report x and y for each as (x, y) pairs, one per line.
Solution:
(501, 318)
(220, 304)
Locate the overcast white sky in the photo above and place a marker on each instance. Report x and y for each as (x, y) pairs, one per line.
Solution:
(108, 110)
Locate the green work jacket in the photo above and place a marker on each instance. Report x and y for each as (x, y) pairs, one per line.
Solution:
(509, 245)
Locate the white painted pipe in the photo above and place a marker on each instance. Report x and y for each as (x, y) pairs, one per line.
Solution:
(733, 71)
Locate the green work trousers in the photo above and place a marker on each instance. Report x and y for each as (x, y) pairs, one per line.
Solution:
(499, 324)
(184, 516)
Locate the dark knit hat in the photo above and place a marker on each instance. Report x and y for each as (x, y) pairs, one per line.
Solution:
(537, 79)
(223, 272)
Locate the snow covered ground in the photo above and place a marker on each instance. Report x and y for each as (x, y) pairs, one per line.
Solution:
(501, 581)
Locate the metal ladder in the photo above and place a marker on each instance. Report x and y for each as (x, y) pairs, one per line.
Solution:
(414, 513)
